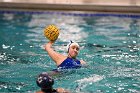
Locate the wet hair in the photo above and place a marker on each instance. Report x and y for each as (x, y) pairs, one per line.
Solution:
(44, 81)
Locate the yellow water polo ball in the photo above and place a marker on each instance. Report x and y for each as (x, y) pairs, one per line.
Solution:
(51, 32)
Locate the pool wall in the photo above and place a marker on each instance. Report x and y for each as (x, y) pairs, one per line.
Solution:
(128, 6)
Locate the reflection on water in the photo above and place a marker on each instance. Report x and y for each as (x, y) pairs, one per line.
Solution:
(109, 44)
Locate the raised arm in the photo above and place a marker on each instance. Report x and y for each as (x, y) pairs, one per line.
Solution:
(57, 57)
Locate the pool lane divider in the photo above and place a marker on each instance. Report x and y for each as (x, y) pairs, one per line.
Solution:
(71, 13)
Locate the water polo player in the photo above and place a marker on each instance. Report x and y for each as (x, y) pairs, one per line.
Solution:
(68, 61)
(46, 82)
(62, 61)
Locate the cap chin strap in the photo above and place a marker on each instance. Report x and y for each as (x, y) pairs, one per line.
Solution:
(71, 56)
(69, 45)
(47, 90)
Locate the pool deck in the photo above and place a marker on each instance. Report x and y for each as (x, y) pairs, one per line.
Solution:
(124, 6)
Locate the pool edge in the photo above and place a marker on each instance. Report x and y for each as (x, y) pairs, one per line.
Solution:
(70, 7)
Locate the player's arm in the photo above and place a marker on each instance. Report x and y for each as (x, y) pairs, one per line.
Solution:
(53, 54)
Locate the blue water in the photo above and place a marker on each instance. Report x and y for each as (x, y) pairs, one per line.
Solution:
(110, 45)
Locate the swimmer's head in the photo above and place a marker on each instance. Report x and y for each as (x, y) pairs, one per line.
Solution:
(72, 44)
(44, 81)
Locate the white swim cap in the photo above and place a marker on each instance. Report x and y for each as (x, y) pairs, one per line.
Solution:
(72, 44)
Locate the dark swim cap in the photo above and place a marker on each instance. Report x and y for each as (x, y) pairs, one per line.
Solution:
(44, 80)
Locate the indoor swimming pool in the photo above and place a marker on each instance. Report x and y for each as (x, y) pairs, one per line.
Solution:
(109, 43)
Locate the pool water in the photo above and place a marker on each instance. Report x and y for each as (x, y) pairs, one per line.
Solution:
(110, 45)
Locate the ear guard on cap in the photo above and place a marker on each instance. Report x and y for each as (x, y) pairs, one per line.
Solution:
(71, 43)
